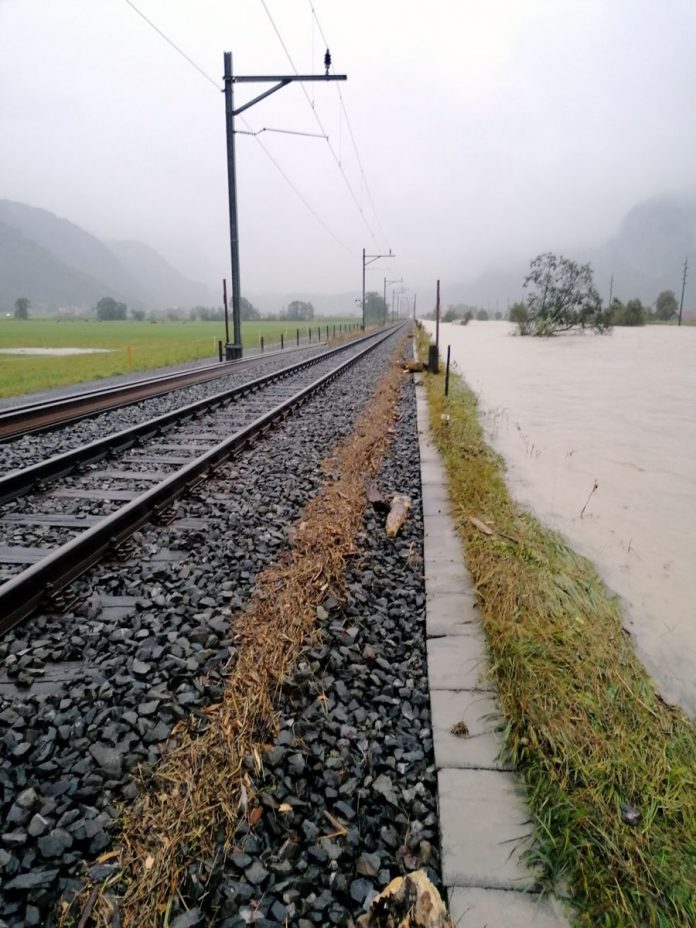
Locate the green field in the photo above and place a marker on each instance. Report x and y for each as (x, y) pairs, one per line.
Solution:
(132, 346)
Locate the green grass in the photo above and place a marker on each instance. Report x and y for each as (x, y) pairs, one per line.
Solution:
(584, 723)
(151, 345)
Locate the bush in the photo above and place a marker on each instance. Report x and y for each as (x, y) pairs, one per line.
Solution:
(562, 297)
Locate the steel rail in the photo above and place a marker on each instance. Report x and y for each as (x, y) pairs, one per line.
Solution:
(21, 481)
(25, 592)
(31, 418)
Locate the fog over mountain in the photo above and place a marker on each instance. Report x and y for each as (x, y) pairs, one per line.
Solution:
(645, 256)
(55, 263)
(467, 137)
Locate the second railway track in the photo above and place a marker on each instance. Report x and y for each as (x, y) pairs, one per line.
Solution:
(55, 533)
(46, 414)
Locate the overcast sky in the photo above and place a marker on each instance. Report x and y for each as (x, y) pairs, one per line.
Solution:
(486, 129)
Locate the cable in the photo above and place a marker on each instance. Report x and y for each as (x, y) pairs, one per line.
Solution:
(350, 128)
(251, 132)
(175, 47)
(293, 187)
(311, 135)
(321, 126)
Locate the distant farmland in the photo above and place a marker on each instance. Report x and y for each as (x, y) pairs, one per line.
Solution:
(151, 345)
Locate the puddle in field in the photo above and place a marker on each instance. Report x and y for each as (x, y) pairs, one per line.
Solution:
(617, 409)
(57, 352)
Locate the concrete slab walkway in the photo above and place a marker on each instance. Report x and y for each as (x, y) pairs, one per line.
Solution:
(485, 826)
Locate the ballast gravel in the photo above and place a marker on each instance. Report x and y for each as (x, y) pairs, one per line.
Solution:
(109, 680)
(30, 449)
(349, 792)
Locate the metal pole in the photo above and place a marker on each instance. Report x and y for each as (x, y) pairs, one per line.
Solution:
(447, 371)
(363, 290)
(236, 348)
(611, 289)
(437, 317)
(414, 305)
(681, 305)
(227, 318)
(384, 299)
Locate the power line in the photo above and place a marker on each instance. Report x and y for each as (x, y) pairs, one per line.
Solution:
(297, 192)
(350, 130)
(321, 126)
(251, 132)
(175, 47)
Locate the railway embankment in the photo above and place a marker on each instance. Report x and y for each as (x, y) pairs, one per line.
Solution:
(233, 726)
(118, 684)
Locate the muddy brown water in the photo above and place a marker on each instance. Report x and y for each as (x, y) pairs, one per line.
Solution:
(618, 410)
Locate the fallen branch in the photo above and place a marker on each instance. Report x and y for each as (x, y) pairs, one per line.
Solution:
(398, 513)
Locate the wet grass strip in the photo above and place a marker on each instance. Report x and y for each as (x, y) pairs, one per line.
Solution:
(610, 768)
(189, 810)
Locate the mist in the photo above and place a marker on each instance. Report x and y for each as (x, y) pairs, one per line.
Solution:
(486, 132)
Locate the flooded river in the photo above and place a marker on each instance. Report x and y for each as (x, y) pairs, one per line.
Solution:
(618, 410)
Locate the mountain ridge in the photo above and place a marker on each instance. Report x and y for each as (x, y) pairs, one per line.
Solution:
(54, 262)
(645, 256)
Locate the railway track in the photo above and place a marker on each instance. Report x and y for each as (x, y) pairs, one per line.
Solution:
(32, 418)
(57, 531)
(92, 695)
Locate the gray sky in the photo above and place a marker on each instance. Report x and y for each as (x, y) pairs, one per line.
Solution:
(487, 128)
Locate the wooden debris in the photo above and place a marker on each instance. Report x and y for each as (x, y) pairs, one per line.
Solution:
(398, 513)
(481, 526)
(408, 902)
(415, 367)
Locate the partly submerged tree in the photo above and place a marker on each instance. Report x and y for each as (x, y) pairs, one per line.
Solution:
(22, 305)
(666, 306)
(520, 315)
(632, 313)
(562, 296)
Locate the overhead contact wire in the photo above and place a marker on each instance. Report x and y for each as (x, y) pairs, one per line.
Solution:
(217, 86)
(176, 48)
(321, 125)
(350, 131)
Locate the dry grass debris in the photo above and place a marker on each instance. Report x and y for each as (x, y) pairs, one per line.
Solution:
(203, 787)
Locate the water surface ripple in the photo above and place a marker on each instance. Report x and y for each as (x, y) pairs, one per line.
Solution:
(617, 409)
